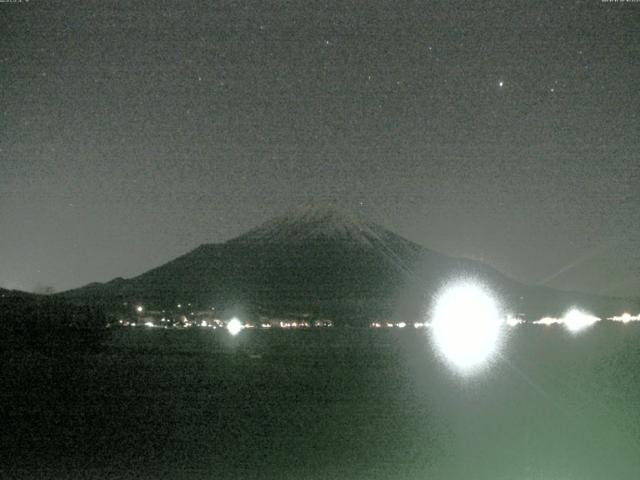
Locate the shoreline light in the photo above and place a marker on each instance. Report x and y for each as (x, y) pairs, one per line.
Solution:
(576, 320)
(234, 326)
(513, 321)
(625, 318)
(548, 321)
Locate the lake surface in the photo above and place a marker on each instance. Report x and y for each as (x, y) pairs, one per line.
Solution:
(325, 404)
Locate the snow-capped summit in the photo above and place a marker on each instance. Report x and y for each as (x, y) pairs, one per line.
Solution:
(309, 222)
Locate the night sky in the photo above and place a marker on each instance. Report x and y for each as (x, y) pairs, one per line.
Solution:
(133, 131)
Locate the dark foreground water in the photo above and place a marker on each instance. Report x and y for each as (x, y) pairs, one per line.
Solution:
(335, 404)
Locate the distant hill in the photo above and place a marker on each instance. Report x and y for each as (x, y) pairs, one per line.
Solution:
(49, 324)
(11, 294)
(327, 263)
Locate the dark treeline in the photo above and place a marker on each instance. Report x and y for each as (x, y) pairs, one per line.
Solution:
(49, 324)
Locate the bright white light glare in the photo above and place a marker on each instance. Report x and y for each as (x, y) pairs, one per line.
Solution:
(466, 325)
(234, 326)
(576, 320)
(139, 309)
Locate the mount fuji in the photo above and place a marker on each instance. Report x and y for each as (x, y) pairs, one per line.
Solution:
(323, 262)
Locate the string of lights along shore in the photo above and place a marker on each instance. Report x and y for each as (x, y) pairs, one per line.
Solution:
(466, 326)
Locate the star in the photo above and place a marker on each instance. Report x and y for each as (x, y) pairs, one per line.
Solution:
(501, 84)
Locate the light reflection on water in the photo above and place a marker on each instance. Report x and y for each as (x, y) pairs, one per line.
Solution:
(343, 404)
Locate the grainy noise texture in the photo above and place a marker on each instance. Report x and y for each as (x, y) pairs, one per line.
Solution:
(131, 132)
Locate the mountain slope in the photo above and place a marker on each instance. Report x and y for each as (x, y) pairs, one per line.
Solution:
(323, 262)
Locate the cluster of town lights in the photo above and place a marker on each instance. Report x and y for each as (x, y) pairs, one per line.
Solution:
(205, 319)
